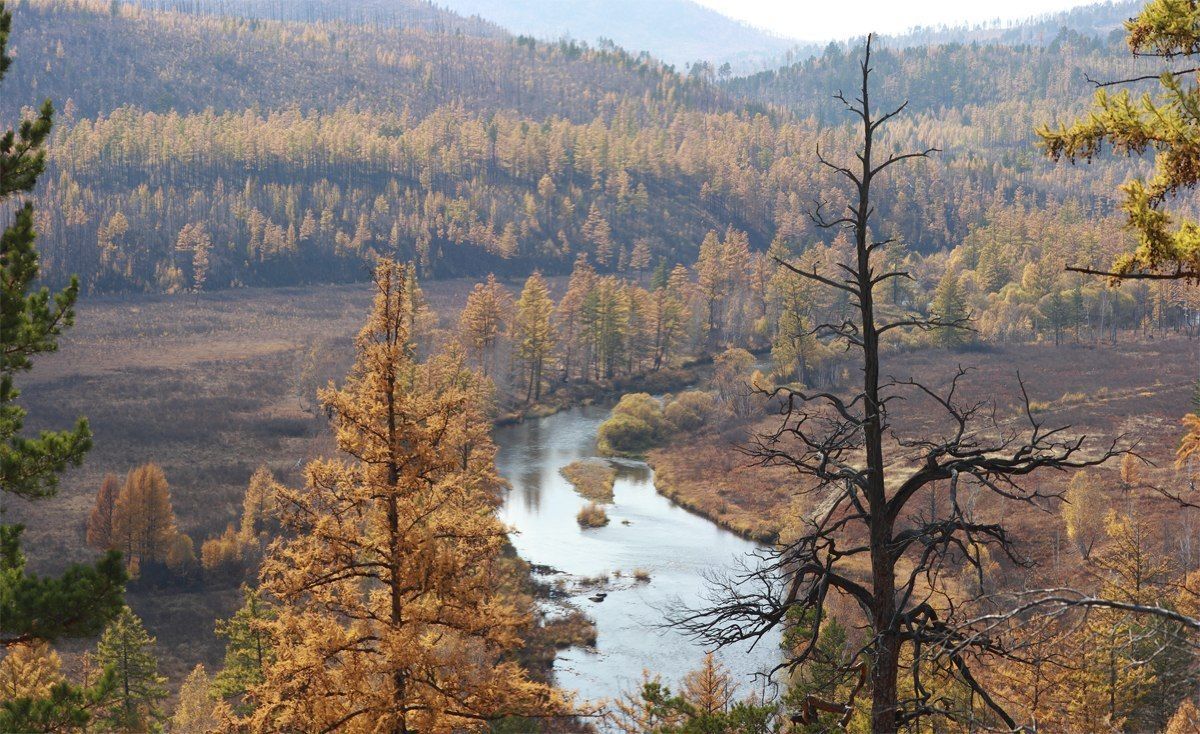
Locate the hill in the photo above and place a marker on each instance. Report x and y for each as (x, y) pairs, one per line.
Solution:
(199, 150)
(680, 32)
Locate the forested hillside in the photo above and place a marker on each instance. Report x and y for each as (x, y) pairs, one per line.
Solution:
(196, 151)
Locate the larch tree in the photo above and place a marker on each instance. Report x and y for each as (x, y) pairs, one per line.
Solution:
(199, 710)
(710, 688)
(533, 333)
(869, 538)
(128, 650)
(1167, 124)
(1083, 512)
(484, 322)
(100, 521)
(80, 602)
(1185, 720)
(389, 615)
(143, 520)
(722, 270)
(570, 318)
(256, 506)
(29, 671)
(598, 233)
(669, 313)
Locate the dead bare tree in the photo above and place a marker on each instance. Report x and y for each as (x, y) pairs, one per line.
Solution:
(869, 538)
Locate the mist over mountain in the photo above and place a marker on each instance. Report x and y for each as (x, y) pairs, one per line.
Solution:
(679, 32)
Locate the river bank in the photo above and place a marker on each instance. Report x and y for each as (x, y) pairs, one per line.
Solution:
(652, 560)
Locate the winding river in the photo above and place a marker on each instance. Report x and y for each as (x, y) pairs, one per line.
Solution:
(646, 531)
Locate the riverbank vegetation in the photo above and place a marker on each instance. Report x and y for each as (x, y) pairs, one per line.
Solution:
(274, 517)
(593, 480)
(592, 516)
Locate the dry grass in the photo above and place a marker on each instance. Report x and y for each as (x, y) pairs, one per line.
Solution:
(592, 479)
(1139, 390)
(592, 516)
(206, 386)
(570, 630)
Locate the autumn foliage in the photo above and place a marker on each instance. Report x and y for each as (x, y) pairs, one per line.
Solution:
(389, 615)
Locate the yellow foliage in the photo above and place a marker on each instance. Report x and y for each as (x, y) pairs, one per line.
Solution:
(1186, 719)
(29, 671)
(1083, 512)
(387, 573)
(1190, 446)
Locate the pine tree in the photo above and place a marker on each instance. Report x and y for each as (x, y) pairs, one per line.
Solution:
(248, 646)
(533, 333)
(949, 306)
(84, 598)
(128, 650)
(100, 521)
(390, 618)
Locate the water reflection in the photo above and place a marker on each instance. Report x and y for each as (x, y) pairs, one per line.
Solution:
(646, 531)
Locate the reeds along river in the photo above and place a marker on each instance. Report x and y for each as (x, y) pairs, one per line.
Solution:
(645, 531)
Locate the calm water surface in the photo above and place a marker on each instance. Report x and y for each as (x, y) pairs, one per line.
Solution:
(645, 531)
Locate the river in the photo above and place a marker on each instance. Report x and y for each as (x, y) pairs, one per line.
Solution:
(646, 531)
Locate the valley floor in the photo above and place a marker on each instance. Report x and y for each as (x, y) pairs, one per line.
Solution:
(206, 385)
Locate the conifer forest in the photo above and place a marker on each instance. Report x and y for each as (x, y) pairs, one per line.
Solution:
(599, 367)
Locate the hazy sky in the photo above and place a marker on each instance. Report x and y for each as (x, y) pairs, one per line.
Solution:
(819, 20)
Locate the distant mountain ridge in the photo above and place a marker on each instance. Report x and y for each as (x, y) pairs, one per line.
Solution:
(421, 14)
(678, 32)
(1097, 20)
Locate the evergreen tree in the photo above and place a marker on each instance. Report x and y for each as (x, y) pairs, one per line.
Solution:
(128, 650)
(949, 306)
(248, 645)
(84, 598)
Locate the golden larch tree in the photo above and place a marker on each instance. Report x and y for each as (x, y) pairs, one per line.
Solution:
(387, 575)
(710, 688)
(143, 521)
(534, 333)
(100, 521)
(29, 671)
(483, 323)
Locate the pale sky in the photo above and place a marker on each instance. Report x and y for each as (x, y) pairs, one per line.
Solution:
(822, 20)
